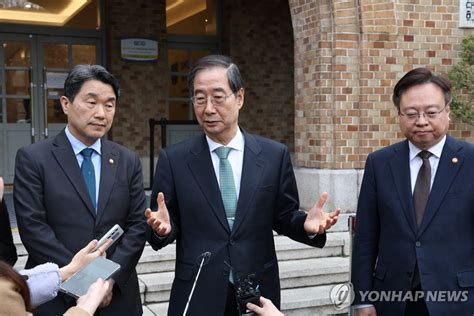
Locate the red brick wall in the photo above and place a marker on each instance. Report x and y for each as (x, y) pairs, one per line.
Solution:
(348, 57)
(258, 36)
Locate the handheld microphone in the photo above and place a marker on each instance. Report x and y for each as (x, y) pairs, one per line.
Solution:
(203, 259)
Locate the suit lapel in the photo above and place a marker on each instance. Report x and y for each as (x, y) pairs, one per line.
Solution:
(400, 168)
(252, 170)
(109, 163)
(445, 174)
(203, 171)
(62, 151)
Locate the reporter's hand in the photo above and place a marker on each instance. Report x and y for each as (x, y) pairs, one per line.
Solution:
(108, 296)
(82, 258)
(159, 220)
(366, 311)
(1, 189)
(94, 296)
(267, 309)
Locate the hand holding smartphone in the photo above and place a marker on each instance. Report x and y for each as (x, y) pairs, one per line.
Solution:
(113, 234)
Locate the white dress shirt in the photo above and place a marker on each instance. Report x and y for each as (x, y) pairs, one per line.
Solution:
(416, 161)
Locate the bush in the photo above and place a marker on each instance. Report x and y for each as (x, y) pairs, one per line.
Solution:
(462, 78)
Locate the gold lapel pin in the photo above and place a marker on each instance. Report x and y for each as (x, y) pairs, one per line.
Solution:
(111, 161)
(455, 160)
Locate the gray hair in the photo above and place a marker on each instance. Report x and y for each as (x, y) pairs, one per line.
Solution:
(233, 73)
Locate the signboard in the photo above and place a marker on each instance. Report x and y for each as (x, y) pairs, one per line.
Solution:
(139, 49)
(466, 13)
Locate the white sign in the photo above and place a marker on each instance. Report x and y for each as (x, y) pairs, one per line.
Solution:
(55, 80)
(466, 13)
(139, 49)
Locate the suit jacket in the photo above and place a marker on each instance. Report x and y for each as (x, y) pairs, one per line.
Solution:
(7, 247)
(56, 217)
(268, 200)
(13, 303)
(388, 242)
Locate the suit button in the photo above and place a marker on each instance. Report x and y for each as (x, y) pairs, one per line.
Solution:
(418, 244)
(225, 273)
(232, 242)
(409, 274)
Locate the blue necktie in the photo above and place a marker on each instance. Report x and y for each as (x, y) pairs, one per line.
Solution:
(227, 184)
(88, 173)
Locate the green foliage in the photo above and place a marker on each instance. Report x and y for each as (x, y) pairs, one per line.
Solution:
(462, 78)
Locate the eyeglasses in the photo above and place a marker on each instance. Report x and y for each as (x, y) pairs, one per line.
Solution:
(429, 115)
(217, 99)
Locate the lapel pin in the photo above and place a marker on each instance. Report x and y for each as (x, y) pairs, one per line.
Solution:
(455, 160)
(111, 161)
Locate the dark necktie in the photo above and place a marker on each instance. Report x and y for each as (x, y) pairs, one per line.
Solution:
(88, 173)
(227, 184)
(422, 186)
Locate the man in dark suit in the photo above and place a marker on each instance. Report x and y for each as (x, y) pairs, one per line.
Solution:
(226, 191)
(74, 187)
(415, 217)
(7, 247)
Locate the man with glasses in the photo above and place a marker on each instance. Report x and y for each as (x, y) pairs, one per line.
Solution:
(226, 191)
(75, 186)
(415, 217)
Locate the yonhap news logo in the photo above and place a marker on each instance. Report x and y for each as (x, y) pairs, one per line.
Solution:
(342, 296)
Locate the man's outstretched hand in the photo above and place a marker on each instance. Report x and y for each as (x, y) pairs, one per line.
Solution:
(159, 220)
(318, 221)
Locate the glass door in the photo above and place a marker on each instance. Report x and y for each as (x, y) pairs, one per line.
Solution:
(17, 95)
(32, 73)
(56, 56)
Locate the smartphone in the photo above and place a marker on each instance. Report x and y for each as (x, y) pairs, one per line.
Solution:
(78, 284)
(114, 234)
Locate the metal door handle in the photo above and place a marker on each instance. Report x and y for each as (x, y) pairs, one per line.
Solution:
(32, 99)
(45, 117)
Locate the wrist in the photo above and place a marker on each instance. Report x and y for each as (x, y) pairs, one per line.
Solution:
(66, 272)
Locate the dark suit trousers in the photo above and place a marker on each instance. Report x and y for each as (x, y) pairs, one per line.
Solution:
(7, 247)
(417, 308)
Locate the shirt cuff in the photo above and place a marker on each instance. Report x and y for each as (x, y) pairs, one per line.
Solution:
(363, 306)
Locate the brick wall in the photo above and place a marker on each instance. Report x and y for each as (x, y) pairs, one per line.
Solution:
(258, 36)
(319, 74)
(348, 56)
(143, 84)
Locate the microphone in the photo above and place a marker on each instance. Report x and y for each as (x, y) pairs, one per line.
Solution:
(203, 259)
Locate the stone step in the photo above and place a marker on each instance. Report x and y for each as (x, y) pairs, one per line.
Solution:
(163, 260)
(308, 301)
(293, 274)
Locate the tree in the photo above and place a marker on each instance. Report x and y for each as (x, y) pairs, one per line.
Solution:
(462, 78)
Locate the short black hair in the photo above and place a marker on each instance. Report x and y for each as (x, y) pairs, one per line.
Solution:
(420, 76)
(82, 73)
(233, 73)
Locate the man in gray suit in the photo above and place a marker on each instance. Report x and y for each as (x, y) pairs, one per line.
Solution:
(74, 187)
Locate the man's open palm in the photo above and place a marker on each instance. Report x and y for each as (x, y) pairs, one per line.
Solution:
(318, 221)
(159, 220)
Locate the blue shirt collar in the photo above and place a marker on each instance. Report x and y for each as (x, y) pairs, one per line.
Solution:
(78, 146)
